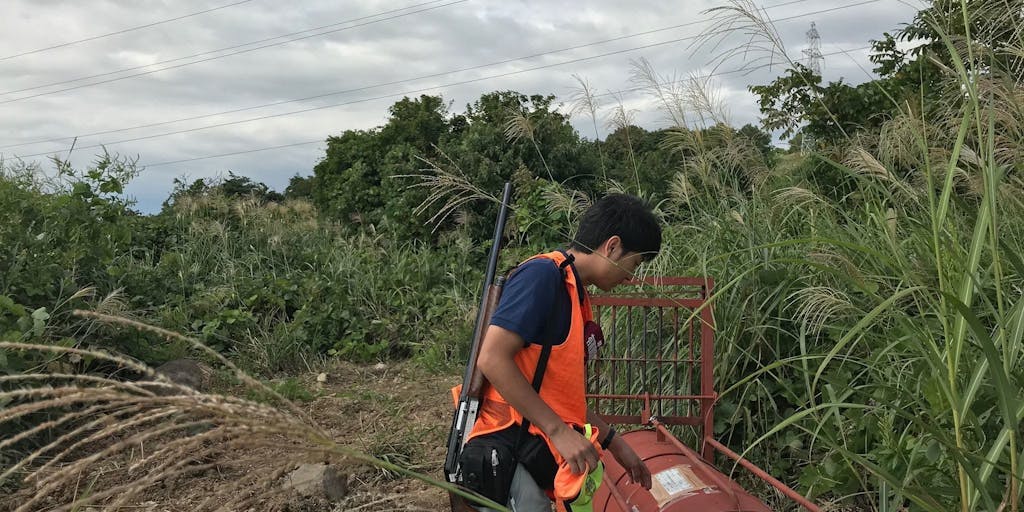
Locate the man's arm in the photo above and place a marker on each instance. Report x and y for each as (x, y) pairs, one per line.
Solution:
(623, 453)
(496, 361)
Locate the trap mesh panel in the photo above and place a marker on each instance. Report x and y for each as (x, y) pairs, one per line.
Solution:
(658, 350)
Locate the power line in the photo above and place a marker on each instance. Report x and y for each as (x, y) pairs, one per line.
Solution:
(632, 89)
(123, 31)
(404, 81)
(257, 150)
(425, 89)
(246, 50)
(373, 86)
(270, 39)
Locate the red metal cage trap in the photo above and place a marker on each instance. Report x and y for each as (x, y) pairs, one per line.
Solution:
(655, 371)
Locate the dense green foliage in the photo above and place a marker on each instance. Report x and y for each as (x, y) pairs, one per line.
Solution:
(366, 178)
(869, 308)
(266, 282)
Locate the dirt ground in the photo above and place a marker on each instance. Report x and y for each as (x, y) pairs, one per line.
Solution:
(400, 413)
(396, 412)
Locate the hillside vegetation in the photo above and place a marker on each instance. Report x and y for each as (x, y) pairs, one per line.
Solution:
(869, 301)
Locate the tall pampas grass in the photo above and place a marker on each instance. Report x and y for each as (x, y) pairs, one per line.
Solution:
(161, 432)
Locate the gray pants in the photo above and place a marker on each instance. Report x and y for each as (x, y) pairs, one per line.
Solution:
(525, 495)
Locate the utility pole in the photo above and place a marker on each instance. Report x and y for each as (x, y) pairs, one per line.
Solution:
(813, 51)
(814, 60)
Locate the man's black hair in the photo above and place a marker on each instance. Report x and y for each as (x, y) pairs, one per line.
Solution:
(619, 214)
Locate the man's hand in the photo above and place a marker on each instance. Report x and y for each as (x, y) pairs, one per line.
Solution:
(630, 461)
(578, 452)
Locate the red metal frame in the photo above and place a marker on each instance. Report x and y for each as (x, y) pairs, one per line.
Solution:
(656, 401)
(682, 296)
(763, 475)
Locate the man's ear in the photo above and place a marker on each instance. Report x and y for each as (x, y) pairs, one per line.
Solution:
(609, 245)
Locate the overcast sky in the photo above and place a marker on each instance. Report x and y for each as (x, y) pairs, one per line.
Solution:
(354, 59)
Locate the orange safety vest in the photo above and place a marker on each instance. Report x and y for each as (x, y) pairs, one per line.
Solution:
(564, 385)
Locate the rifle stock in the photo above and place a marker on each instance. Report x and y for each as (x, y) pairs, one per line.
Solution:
(477, 381)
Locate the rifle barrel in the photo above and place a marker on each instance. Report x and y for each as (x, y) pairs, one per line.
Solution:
(492, 265)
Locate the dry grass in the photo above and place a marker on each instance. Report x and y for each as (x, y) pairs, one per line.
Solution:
(866, 165)
(818, 306)
(670, 92)
(584, 101)
(448, 189)
(154, 435)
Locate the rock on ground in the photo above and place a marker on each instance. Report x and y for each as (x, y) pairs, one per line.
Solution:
(318, 480)
(185, 372)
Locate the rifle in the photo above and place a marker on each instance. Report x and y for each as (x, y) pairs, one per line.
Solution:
(468, 405)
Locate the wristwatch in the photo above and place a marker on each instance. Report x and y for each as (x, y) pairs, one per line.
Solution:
(607, 441)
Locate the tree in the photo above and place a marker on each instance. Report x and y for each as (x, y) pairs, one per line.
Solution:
(299, 187)
(514, 130)
(346, 180)
(636, 158)
(758, 138)
(837, 110)
(242, 186)
(827, 113)
(506, 133)
(357, 181)
(420, 123)
(233, 186)
(992, 26)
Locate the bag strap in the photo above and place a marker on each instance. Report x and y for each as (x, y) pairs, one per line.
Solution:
(568, 262)
(545, 352)
(538, 379)
(542, 362)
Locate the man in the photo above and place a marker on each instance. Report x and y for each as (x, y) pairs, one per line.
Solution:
(545, 303)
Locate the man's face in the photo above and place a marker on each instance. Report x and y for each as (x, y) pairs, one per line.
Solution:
(618, 267)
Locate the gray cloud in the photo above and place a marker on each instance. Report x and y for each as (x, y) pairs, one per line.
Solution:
(447, 38)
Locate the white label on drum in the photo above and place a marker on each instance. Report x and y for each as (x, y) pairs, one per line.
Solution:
(674, 482)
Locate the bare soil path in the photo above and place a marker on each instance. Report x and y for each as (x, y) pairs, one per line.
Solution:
(397, 412)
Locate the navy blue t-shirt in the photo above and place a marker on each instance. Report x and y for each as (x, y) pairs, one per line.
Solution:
(535, 304)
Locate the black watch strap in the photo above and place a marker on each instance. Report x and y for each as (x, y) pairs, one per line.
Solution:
(607, 441)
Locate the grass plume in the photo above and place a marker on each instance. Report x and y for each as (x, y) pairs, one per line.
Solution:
(165, 432)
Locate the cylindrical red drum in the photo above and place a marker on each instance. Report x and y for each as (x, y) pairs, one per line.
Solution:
(681, 481)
